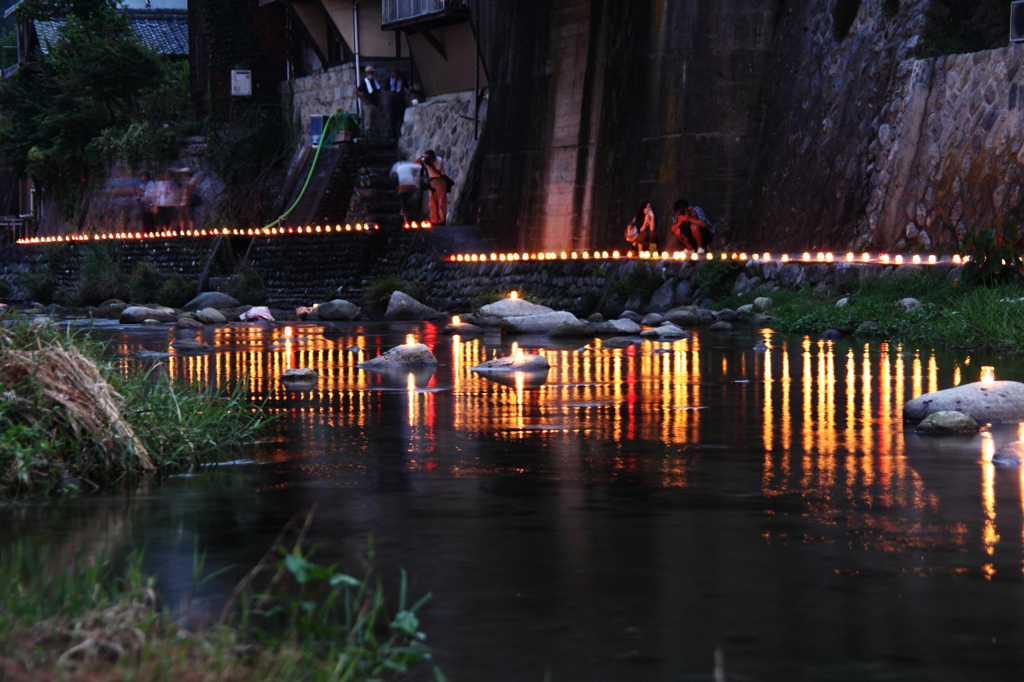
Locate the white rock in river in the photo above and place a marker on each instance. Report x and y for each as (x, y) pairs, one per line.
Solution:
(1000, 401)
(402, 306)
(300, 378)
(535, 324)
(409, 355)
(620, 326)
(1011, 454)
(210, 316)
(519, 362)
(665, 331)
(138, 314)
(513, 307)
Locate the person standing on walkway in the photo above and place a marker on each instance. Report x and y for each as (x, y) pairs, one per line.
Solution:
(368, 93)
(434, 165)
(406, 173)
(396, 90)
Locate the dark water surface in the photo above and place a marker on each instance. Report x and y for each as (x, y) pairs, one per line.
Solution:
(623, 520)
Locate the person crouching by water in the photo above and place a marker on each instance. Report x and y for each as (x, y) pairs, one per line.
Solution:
(406, 173)
(691, 226)
(640, 231)
(434, 166)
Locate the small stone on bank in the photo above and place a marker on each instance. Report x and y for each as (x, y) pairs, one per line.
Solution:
(1011, 454)
(720, 327)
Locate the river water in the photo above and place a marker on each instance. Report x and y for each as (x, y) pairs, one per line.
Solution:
(638, 511)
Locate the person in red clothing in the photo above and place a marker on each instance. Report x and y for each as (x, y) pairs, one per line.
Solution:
(434, 166)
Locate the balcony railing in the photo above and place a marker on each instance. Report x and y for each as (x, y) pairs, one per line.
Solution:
(404, 10)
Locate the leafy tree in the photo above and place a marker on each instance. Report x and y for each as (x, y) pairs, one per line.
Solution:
(94, 79)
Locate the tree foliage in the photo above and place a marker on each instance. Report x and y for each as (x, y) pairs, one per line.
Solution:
(93, 80)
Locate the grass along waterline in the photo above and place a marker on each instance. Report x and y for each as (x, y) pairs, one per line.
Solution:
(69, 420)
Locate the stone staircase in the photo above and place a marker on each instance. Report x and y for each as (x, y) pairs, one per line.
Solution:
(374, 199)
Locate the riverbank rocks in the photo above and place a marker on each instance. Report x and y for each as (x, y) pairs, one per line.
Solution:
(337, 310)
(300, 379)
(402, 306)
(909, 304)
(663, 298)
(720, 327)
(210, 316)
(536, 324)
(831, 335)
(665, 331)
(408, 355)
(763, 303)
(618, 342)
(1000, 401)
(652, 320)
(576, 329)
(138, 314)
(947, 422)
(843, 303)
(620, 326)
(1011, 454)
(513, 307)
(189, 323)
(187, 346)
(682, 318)
(726, 315)
(211, 299)
(462, 329)
(519, 362)
(631, 316)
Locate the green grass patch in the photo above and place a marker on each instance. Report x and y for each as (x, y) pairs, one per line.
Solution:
(85, 617)
(951, 315)
(70, 420)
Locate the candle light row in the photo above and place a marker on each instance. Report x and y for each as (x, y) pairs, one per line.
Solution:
(806, 257)
(216, 232)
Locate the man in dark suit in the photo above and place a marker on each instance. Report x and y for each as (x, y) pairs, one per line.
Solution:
(397, 91)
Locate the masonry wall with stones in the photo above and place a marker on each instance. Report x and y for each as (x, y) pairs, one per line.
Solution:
(323, 92)
(949, 156)
(447, 125)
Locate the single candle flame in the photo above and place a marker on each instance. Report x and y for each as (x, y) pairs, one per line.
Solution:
(456, 319)
(988, 375)
(410, 339)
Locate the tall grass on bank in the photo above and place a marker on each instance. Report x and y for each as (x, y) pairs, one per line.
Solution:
(951, 315)
(290, 619)
(67, 420)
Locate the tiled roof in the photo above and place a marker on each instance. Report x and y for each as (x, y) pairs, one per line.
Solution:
(165, 30)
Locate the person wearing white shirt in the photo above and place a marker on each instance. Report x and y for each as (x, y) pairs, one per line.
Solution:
(407, 174)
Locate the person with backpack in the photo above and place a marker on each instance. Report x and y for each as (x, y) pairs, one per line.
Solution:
(692, 226)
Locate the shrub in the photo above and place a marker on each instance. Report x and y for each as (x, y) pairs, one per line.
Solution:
(641, 279)
(101, 277)
(145, 283)
(993, 254)
(176, 291)
(246, 285)
(39, 285)
(715, 278)
(844, 13)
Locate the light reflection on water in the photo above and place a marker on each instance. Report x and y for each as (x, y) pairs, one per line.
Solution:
(662, 460)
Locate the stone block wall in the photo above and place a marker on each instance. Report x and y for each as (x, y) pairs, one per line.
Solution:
(323, 92)
(949, 154)
(446, 125)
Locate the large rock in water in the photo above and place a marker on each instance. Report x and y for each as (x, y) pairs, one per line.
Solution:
(536, 324)
(520, 362)
(513, 307)
(665, 331)
(137, 314)
(409, 355)
(210, 316)
(211, 299)
(402, 306)
(618, 327)
(337, 311)
(300, 379)
(1000, 401)
(577, 329)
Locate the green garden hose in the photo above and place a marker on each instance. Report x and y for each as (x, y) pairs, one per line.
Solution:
(347, 120)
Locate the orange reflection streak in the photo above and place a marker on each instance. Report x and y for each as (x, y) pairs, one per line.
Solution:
(989, 536)
(768, 428)
(933, 373)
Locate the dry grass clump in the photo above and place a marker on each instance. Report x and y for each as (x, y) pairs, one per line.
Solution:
(67, 420)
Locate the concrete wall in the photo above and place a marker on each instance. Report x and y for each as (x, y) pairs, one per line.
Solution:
(597, 105)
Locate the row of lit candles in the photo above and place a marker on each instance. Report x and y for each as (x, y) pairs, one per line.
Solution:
(425, 225)
(227, 231)
(806, 257)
